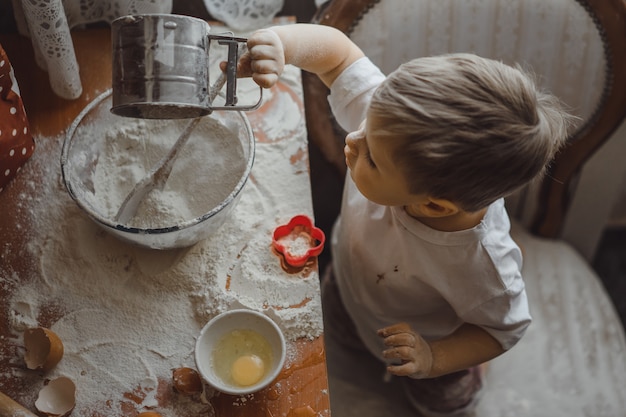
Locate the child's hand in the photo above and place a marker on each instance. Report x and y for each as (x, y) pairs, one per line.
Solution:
(265, 59)
(416, 359)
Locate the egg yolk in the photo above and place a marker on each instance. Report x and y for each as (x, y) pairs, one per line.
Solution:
(247, 370)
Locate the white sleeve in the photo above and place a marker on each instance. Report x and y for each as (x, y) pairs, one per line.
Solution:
(505, 318)
(351, 92)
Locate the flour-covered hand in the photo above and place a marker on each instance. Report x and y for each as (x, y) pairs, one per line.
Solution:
(264, 60)
(411, 352)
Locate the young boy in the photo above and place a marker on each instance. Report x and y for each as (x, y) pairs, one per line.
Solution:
(428, 277)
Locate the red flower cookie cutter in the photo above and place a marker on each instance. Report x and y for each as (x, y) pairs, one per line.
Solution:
(298, 240)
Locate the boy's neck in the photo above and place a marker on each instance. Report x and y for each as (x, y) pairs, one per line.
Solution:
(461, 220)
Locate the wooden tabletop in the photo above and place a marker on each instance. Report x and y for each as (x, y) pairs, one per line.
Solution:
(300, 390)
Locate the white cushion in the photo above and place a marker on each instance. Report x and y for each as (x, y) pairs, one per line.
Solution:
(556, 39)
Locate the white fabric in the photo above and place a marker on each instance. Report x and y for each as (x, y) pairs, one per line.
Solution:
(244, 15)
(48, 24)
(570, 363)
(557, 40)
(391, 268)
(352, 91)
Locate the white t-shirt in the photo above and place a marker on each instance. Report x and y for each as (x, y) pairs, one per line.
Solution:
(391, 268)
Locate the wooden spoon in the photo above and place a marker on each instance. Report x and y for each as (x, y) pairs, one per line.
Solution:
(158, 175)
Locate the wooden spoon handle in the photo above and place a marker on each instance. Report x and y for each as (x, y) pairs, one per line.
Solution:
(10, 408)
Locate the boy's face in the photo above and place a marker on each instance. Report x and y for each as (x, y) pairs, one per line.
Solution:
(370, 160)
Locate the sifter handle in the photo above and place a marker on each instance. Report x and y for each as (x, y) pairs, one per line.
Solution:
(234, 52)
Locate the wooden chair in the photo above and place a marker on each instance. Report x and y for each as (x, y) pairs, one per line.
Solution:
(578, 50)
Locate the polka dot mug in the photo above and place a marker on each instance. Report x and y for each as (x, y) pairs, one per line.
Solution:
(16, 141)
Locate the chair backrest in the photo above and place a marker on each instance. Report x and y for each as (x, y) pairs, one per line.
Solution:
(577, 48)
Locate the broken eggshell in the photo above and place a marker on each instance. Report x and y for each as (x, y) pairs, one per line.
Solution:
(298, 240)
(44, 348)
(187, 381)
(57, 399)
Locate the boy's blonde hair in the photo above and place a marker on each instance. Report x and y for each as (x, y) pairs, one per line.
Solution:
(469, 129)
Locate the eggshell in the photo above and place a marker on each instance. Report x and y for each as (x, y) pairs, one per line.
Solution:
(44, 348)
(57, 399)
(149, 414)
(187, 381)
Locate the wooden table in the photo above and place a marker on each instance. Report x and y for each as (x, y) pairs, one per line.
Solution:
(301, 389)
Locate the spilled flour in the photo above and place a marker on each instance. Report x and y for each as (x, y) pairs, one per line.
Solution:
(129, 315)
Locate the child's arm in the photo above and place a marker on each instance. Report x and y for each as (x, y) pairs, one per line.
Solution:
(319, 49)
(468, 346)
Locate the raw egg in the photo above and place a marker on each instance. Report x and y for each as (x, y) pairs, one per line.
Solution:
(247, 370)
(242, 357)
(240, 351)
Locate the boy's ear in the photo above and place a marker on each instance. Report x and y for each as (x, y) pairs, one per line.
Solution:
(439, 207)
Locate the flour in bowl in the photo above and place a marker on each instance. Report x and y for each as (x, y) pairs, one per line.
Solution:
(206, 171)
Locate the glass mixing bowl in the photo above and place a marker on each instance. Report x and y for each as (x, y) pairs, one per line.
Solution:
(105, 155)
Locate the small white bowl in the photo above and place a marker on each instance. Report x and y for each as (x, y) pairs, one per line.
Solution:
(222, 325)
